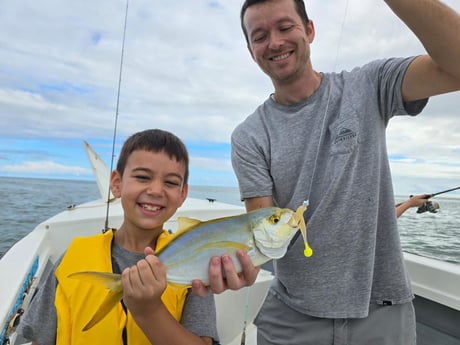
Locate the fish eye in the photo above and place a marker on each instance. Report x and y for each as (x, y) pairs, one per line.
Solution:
(274, 219)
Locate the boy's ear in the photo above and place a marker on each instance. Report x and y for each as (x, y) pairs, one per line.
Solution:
(184, 193)
(115, 184)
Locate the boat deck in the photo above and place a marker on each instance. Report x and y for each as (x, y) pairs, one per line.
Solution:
(436, 324)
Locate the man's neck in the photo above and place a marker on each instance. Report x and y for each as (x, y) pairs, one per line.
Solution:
(294, 92)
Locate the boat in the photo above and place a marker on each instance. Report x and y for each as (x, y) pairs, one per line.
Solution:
(435, 283)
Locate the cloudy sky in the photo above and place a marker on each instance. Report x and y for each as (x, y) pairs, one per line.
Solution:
(187, 70)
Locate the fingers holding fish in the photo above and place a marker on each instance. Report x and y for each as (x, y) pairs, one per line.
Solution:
(247, 275)
(223, 274)
(217, 281)
(143, 284)
(249, 271)
(199, 289)
(149, 251)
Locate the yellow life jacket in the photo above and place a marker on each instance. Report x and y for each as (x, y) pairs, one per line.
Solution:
(76, 301)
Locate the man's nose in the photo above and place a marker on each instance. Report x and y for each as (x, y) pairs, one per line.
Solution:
(276, 40)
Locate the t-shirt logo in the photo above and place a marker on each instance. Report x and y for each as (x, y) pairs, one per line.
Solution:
(344, 134)
(344, 137)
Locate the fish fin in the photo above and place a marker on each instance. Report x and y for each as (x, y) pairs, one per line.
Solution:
(112, 299)
(186, 224)
(106, 280)
(102, 279)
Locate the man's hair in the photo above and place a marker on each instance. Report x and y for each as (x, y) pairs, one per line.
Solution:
(154, 140)
(299, 6)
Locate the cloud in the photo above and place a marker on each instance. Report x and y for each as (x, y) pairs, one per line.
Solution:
(45, 168)
(185, 69)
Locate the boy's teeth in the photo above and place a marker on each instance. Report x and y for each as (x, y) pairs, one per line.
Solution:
(150, 208)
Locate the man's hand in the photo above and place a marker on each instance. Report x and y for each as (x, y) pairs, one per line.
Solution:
(223, 276)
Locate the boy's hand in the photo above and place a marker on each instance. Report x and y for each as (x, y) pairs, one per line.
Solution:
(143, 284)
(232, 280)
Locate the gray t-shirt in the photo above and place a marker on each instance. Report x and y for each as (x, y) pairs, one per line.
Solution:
(39, 321)
(351, 223)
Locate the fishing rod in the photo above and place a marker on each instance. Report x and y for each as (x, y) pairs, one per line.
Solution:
(444, 191)
(116, 113)
(433, 206)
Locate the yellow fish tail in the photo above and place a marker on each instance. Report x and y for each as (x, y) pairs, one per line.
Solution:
(106, 280)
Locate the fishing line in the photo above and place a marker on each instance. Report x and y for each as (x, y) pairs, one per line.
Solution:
(315, 164)
(117, 111)
(336, 59)
(246, 312)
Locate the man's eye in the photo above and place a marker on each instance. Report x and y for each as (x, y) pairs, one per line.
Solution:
(141, 177)
(259, 38)
(173, 183)
(286, 27)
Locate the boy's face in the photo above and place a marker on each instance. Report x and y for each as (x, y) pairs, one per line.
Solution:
(151, 189)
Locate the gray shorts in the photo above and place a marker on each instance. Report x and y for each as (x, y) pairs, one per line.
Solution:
(277, 324)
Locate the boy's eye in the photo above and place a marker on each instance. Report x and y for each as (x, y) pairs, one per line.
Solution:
(141, 177)
(173, 183)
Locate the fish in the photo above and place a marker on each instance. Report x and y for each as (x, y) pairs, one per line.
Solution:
(265, 234)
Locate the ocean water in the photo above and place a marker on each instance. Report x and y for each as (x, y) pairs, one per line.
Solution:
(27, 202)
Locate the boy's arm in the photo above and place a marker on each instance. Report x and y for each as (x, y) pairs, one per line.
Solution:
(437, 26)
(143, 286)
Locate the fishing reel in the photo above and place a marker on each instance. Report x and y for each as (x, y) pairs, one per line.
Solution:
(429, 206)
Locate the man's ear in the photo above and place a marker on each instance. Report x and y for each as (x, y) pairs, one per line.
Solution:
(115, 184)
(311, 31)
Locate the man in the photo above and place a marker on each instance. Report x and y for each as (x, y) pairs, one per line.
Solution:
(321, 137)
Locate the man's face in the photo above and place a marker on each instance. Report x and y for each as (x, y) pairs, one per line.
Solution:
(278, 40)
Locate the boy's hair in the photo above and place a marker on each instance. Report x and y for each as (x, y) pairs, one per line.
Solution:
(154, 140)
(299, 6)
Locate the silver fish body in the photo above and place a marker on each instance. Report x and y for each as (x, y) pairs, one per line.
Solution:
(264, 233)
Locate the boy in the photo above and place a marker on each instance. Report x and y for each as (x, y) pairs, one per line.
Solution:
(151, 180)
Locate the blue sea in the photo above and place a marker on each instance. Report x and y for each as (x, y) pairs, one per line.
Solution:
(27, 202)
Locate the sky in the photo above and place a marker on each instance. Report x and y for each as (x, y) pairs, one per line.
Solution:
(186, 69)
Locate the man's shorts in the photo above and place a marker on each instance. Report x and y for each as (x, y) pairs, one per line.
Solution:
(278, 324)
